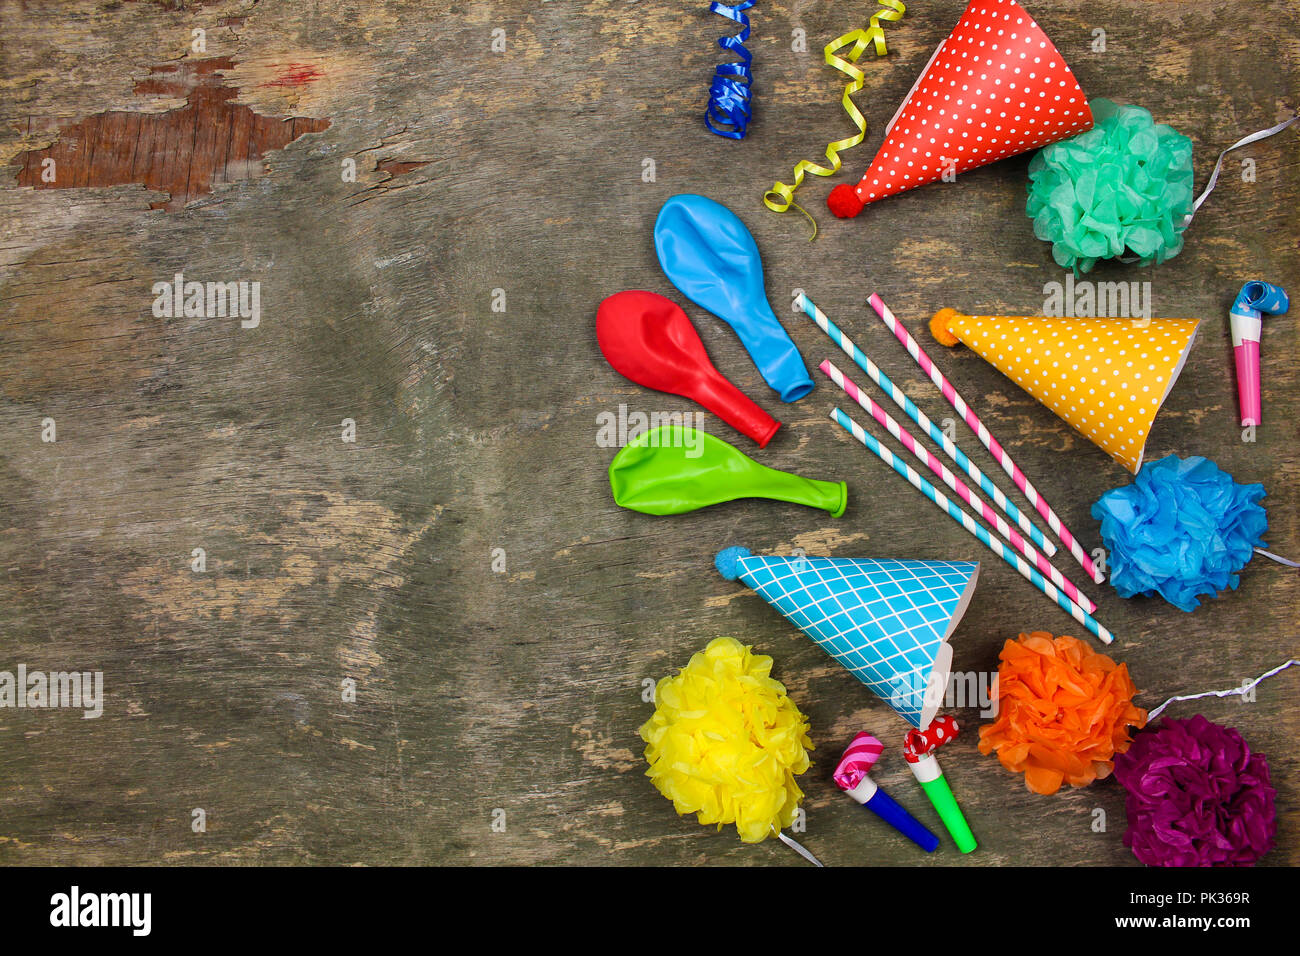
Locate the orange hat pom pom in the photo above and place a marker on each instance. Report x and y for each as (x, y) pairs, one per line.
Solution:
(939, 327)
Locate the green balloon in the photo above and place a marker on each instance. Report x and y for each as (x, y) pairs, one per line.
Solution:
(672, 469)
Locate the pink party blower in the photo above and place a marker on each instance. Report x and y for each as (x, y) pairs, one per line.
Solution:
(1246, 317)
(851, 777)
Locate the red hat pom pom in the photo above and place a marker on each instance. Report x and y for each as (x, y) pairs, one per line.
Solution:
(844, 202)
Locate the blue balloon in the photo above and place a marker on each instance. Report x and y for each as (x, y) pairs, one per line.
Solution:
(707, 252)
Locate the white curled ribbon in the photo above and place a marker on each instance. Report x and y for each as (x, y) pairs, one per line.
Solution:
(1278, 558)
(797, 848)
(1230, 692)
(1244, 141)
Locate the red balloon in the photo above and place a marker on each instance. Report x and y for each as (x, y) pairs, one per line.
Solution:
(649, 339)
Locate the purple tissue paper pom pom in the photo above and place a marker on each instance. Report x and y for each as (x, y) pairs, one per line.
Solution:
(1197, 796)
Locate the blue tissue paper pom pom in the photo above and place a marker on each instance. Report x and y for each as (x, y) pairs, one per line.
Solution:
(727, 560)
(1183, 528)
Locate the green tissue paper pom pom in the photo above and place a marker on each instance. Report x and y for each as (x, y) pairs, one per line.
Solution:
(1122, 188)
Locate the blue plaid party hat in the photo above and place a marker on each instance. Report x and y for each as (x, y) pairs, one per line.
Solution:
(888, 622)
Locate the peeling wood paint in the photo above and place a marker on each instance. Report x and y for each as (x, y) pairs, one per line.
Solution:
(182, 152)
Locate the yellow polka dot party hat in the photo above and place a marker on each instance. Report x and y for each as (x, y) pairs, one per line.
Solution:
(1106, 377)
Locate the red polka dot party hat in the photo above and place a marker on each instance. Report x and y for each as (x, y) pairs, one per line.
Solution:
(995, 88)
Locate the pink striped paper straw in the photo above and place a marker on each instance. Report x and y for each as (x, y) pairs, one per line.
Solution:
(995, 449)
(935, 433)
(939, 500)
(956, 484)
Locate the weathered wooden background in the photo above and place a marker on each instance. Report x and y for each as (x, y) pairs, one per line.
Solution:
(518, 688)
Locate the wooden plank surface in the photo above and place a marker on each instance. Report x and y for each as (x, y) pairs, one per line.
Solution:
(462, 560)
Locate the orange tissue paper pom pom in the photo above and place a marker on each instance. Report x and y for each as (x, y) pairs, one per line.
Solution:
(1064, 712)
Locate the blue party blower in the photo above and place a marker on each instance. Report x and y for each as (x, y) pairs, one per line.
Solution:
(852, 777)
(709, 254)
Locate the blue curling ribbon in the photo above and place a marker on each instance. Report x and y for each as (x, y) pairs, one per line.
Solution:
(732, 82)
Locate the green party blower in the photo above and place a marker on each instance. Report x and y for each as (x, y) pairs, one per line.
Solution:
(918, 749)
(673, 469)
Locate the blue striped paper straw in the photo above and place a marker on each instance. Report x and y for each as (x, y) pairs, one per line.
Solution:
(963, 492)
(1026, 570)
(915, 414)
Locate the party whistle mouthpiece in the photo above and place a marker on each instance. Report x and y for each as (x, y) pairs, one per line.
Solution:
(1246, 318)
(918, 749)
(851, 776)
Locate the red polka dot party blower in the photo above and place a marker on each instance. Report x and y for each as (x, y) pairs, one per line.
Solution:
(918, 749)
(995, 88)
(852, 776)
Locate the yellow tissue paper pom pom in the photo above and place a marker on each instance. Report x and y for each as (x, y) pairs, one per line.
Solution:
(725, 742)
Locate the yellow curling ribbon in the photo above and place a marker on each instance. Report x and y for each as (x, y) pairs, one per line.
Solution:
(859, 41)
